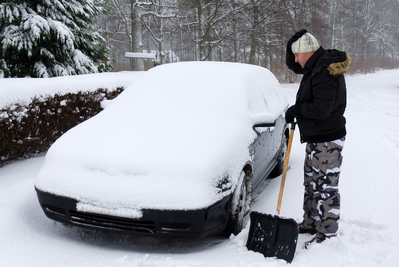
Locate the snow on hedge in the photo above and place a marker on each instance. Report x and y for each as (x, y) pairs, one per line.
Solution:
(18, 91)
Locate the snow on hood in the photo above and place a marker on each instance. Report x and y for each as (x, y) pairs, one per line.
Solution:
(166, 141)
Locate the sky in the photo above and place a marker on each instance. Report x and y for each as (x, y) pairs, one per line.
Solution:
(369, 226)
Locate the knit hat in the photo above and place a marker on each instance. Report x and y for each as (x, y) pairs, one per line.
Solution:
(307, 43)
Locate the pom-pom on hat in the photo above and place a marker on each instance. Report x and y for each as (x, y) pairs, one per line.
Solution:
(307, 43)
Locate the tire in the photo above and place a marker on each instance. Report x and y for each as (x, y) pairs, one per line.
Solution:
(278, 170)
(237, 209)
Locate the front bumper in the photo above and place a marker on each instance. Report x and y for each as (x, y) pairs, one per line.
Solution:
(162, 223)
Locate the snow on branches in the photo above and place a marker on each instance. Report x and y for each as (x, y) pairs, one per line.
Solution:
(50, 38)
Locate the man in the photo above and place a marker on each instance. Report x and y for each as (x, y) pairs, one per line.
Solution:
(319, 111)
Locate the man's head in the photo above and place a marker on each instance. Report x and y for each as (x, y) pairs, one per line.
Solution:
(304, 48)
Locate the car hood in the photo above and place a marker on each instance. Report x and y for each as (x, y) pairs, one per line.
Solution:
(165, 142)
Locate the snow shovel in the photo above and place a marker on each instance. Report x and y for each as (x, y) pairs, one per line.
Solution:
(271, 235)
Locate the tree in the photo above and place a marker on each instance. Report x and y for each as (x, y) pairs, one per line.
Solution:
(255, 31)
(236, 28)
(51, 38)
(262, 17)
(126, 34)
(157, 17)
(387, 31)
(368, 32)
(136, 35)
(370, 13)
(205, 25)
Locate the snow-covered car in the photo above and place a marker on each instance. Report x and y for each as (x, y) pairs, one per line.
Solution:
(178, 153)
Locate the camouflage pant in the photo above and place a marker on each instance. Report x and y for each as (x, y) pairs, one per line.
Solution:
(321, 202)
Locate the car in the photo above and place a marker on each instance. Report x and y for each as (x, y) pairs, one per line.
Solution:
(177, 154)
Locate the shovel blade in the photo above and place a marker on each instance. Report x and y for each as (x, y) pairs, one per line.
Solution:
(273, 236)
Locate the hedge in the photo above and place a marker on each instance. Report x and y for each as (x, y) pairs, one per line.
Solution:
(27, 130)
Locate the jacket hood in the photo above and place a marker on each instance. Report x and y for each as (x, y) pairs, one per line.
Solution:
(335, 61)
(340, 64)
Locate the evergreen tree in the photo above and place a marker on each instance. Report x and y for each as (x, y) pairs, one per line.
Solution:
(48, 38)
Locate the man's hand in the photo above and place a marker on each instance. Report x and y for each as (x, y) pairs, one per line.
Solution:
(290, 115)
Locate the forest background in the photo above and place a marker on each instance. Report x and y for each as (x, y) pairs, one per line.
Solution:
(49, 38)
(250, 31)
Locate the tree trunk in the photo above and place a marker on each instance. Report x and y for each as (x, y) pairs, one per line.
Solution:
(254, 34)
(136, 37)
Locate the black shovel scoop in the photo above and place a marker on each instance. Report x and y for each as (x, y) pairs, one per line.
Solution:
(271, 235)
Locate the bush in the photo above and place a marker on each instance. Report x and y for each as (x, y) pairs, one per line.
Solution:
(27, 130)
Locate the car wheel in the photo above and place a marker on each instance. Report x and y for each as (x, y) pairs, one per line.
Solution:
(278, 170)
(237, 210)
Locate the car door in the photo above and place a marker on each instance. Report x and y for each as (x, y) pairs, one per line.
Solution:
(262, 150)
(265, 148)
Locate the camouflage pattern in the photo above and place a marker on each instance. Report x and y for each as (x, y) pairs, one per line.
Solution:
(321, 203)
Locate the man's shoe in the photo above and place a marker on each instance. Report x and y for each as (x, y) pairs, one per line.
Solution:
(315, 239)
(304, 230)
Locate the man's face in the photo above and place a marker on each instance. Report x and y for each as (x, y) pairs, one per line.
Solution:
(302, 58)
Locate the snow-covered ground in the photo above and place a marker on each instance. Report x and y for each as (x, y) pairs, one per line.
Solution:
(369, 228)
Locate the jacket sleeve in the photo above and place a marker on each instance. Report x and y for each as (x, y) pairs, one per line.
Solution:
(324, 94)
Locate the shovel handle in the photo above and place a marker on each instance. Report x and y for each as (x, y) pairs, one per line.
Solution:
(287, 157)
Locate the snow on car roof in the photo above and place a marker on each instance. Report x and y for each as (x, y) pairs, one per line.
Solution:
(165, 142)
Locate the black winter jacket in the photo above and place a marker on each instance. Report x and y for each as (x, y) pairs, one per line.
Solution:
(321, 98)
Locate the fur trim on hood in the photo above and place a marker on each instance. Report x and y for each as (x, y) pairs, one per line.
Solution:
(339, 68)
